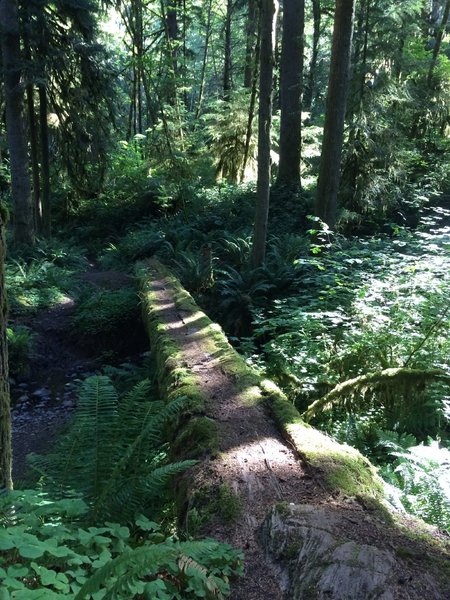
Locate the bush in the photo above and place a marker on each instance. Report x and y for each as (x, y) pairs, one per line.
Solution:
(20, 340)
(107, 318)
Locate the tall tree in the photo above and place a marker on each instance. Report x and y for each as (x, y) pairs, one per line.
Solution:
(5, 412)
(437, 45)
(291, 69)
(333, 134)
(15, 123)
(311, 78)
(269, 11)
(251, 41)
(227, 51)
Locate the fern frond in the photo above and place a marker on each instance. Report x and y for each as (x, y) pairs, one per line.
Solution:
(82, 460)
(136, 458)
(179, 562)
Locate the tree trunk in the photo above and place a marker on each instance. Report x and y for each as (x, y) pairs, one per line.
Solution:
(251, 108)
(34, 153)
(205, 60)
(250, 48)
(45, 162)
(309, 88)
(15, 123)
(333, 135)
(269, 10)
(32, 127)
(170, 18)
(227, 51)
(291, 90)
(5, 411)
(438, 43)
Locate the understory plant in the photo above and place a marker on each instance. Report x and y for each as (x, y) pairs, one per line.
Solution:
(88, 530)
(115, 452)
(48, 552)
(107, 317)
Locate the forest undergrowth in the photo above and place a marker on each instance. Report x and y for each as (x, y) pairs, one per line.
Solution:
(354, 329)
(94, 517)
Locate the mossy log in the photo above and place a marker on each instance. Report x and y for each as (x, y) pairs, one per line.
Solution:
(371, 380)
(339, 467)
(232, 492)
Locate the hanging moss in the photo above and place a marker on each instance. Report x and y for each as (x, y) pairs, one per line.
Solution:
(395, 378)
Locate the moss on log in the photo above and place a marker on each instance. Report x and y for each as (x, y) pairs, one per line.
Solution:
(340, 467)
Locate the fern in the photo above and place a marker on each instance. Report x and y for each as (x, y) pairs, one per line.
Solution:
(179, 567)
(114, 454)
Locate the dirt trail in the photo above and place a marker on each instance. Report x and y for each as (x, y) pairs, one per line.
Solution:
(43, 402)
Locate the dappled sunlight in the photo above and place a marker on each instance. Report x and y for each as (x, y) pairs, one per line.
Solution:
(185, 320)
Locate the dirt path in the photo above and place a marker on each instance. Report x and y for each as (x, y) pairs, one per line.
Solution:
(43, 402)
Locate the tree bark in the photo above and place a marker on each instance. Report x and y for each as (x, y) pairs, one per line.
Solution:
(227, 51)
(5, 411)
(311, 80)
(45, 162)
(15, 123)
(34, 154)
(291, 91)
(333, 135)
(252, 104)
(205, 61)
(269, 10)
(438, 43)
(250, 48)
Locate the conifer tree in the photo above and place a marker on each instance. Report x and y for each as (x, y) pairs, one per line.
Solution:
(291, 91)
(15, 122)
(5, 412)
(333, 134)
(269, 11)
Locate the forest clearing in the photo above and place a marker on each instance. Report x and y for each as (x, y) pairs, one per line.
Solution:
(224, 299)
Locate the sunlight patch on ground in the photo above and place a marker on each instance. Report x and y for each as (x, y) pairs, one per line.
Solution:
(65, 301)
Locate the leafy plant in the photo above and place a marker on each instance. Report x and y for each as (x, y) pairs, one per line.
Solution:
(226, 129)
(20, 341)
(47, 553)
(422, 474)
(114, 453)
(106, 314)
(141, 242)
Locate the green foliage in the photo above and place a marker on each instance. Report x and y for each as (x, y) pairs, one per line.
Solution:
(146, 240)
(114, 453)
(105, 314)
(195, 270)
(47, 553)
(226, 127)
(422, 475)
(20, 341)
(365, 307)
(43, 276)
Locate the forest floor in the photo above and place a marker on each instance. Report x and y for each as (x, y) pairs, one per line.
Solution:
(255, 461)
(44, 399)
